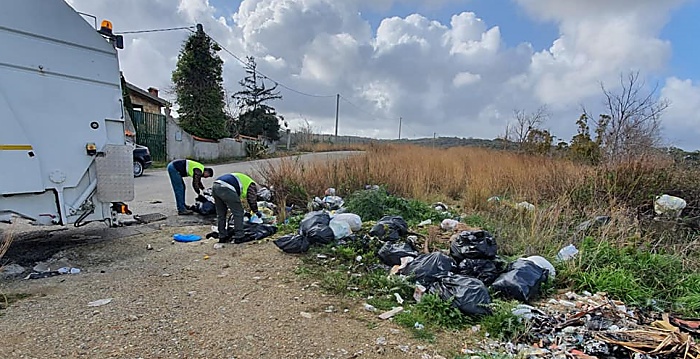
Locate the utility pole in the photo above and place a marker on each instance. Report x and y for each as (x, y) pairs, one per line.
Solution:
(337, 105)
(400, 127)
(434, 134)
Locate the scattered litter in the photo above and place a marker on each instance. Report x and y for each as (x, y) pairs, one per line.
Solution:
(100, 302)
(206, 257)
(404, 263)
(567, 253)
(440, 207)
(669, 205)
(398, 298)
(592, 223)
(67, 270)
(257, 231)
(449, 224)
(526, 206)
(427, 222)
(305, 315)
(178, 237)
(381, 341)
(391, 313)
(370, 308)
(494, 199)
(419, 326)
(404, 348)
(219, 245)
(149, 247)
(418, 293)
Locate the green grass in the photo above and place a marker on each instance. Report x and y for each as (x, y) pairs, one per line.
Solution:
(375, 204)
(634, 275)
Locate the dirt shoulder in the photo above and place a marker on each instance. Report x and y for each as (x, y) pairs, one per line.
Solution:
(189, 301)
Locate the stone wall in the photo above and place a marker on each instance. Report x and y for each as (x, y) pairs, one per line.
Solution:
(181, 144)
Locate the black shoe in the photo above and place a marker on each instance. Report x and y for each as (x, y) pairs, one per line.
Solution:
(186, 212)
(242, 239)
(226, 239)
(213, 235)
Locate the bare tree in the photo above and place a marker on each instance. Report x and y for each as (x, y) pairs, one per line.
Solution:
(519, 130)
(631, 125)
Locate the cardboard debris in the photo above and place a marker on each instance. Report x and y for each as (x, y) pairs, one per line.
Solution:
(661, 338)
(391, 313)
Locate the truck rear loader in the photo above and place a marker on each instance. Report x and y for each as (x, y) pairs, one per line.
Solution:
(64, 158)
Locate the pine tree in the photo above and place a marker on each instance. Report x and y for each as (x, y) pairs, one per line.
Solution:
(256, 117)
(198, 83)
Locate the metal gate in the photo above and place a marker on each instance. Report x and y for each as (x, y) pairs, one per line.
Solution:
(150, 132)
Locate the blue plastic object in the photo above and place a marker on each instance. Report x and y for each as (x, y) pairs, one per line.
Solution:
(186, 237)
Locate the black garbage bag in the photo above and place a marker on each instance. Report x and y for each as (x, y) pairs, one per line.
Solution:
(390, 228)
(292, 244)
(485, 270)
(257, 231)
(521, 281)
(203, 205)
(474, 245)
(470, 295)
(427, 268)
(391, 253)
(319, 233)
(312, 219)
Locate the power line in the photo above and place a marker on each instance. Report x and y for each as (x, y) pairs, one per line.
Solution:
(374, 117)
(156, 30)
(265, 76)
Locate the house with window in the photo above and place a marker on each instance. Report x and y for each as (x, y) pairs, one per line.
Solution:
(146, 100)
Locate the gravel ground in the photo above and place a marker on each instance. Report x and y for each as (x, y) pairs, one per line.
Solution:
(189, 300)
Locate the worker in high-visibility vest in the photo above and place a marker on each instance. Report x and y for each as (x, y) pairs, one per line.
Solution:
(228, 190)
(177, 170)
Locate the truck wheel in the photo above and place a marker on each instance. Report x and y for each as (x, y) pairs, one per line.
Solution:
(138, 168)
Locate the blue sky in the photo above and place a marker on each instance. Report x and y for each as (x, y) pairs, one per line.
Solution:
(517, 27)
(469, 82)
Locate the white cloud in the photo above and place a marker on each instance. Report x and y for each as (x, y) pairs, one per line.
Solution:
(454, 78)
(683, 114)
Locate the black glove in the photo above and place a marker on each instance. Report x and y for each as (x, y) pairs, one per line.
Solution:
(213, 235)
(201, 198)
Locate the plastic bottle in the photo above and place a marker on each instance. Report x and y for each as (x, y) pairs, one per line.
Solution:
(567, 253)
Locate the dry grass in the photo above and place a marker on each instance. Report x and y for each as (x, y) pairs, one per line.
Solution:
(467, 176)
(330, 147)
(564, 193)
(5, 242)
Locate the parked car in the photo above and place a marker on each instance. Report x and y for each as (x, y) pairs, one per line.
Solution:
(142, 159)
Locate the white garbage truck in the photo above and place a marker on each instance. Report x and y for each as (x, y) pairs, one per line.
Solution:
(64, 158)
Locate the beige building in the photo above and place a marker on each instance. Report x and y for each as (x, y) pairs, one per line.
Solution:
(146, 101)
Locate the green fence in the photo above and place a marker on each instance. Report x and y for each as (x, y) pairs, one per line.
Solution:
(150, 132)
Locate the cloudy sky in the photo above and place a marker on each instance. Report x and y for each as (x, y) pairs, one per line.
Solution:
(450, 67)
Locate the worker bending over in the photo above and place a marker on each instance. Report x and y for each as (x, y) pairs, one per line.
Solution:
(177, 170)
(228, 190)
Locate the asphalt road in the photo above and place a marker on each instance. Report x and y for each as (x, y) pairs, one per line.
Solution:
(153, 192)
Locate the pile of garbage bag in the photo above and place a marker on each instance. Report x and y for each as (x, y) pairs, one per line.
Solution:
(319, 228)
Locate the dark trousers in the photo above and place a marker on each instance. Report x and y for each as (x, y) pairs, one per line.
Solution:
(224, 199)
